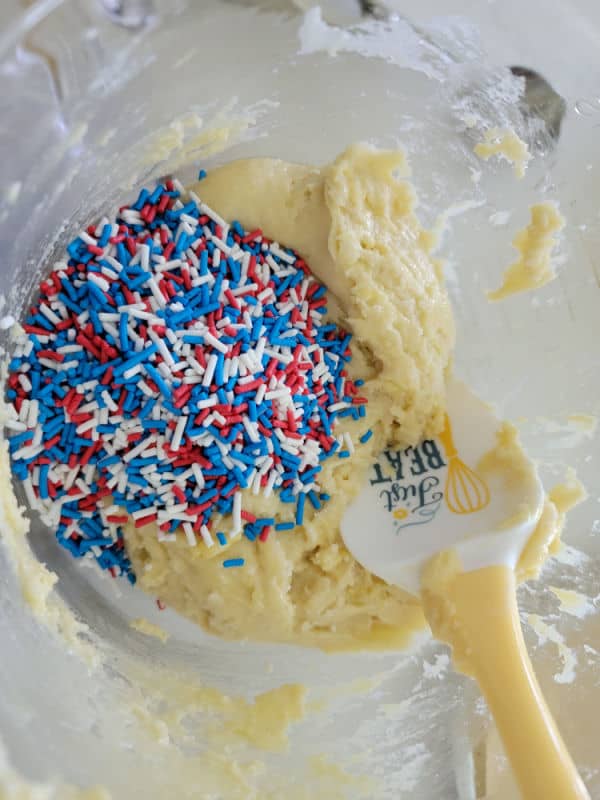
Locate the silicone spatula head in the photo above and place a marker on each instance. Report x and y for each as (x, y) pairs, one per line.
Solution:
(437, 496)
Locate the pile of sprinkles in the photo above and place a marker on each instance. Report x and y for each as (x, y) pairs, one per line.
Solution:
(171, 362)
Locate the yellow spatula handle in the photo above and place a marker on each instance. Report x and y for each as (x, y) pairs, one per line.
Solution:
(486, 611)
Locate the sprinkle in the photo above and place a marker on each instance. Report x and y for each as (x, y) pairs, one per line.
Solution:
(366, 436)
(300, 509)
(206, 537)
(179, 431)
(233, 562)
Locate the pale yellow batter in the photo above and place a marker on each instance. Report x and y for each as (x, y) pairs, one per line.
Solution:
(354, 222)
(148, 628)
(535, 243)
(507, 145)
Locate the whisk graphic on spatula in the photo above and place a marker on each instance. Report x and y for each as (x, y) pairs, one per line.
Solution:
(465, 491)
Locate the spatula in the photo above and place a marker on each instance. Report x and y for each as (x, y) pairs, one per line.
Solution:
(436, 503)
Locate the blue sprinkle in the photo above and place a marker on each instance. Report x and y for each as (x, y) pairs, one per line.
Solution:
(44, 469)
(136, 359)
(202, 175)
(300, 508)
(222, 539)
(159, 381)
(366, 436)
(314, 499)
(285, 526)
(233, 562)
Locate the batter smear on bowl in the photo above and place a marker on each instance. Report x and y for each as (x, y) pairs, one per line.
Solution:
(201, 386)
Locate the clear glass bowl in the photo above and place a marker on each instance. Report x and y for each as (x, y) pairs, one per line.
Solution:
(91, 110)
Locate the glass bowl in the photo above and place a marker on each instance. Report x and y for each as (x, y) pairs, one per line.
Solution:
(101, 98)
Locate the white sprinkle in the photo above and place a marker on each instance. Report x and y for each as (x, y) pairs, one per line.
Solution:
(32, 414)
(189, 534)
(82, 486)
(25, 382)
(64, 367)
(156, 292)
(15, 425)
(268, 292)
(66, 349)
(198, 475)
(37, 437)
(85, 237)
(131, 216)
(171, 336)
(102, 283)
(164, 266)
(251, 429)
(49, 314)
(162, 347)
(132, 372)
(260, 393)
(29, 492)
(349, 442)
(247, 289)
(100, 227)
(109, 401)
(116, 265)
(248, 378)
(210, 370)
(237, 514)
(138, 313)
(122, 482)
(137, 450)
(256, 487)
(213, 215)
(337, 407)
(274, 476)
(206, 537)
(173, 510)
(277, 251)
(144, 252)
(165, 371)
(178, 432)
(216, 343)
(278, 394)
(145, 388)
(280, 356)
(70, 478)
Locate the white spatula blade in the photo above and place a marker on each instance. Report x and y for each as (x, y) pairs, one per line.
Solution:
(425, 499)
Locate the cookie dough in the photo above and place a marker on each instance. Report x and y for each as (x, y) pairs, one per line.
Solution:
(535, 244)
(507, 145)
(148, 628)
(354, 222)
